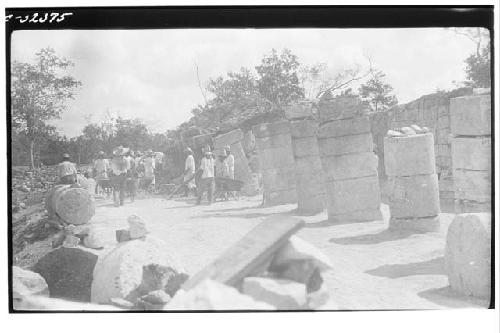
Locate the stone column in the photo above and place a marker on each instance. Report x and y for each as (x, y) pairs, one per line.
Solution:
(308, 169)
(241, 167)
(274, 146)
(471, 152)
(413, 182)
(349, 163)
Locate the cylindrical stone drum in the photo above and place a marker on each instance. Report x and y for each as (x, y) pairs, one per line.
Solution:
(413, 182)
(349, 164)
(274, 145)
(73, 205)
(308, 169)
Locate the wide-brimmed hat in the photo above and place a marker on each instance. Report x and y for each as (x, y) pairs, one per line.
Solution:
(65, 155)
(188, 150)
(120, 151)
(101, 153)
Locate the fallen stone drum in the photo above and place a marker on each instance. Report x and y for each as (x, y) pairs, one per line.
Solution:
(72, 204)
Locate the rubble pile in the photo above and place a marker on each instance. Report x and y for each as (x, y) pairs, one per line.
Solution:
(29, 186)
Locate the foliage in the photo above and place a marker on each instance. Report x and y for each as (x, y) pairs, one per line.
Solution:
(39, 93)
(478, 68)
(377, 93)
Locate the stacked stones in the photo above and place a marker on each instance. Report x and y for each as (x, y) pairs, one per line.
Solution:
(349, 163)
(413, 182)
(274, 145)
(308, 169)
(471, 152)
(242, 172)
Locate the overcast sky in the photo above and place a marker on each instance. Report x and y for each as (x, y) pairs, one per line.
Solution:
(151, 73)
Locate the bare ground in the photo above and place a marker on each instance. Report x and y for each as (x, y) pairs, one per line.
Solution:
(373, 268)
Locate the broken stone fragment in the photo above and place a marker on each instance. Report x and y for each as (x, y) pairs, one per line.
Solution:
(156, 297)
(137, 227)
(95, 238)
(408, 130)
(121, 303)
(416, 128)
(298, 249)
(27, 283)
(318, 299)
(122, 235)
(212, 295)
(71, 241)
(393, 133)
(283, 294)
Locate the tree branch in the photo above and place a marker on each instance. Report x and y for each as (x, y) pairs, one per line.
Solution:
(199, 84)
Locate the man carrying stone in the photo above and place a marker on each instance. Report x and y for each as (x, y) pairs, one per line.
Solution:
(67, 171)
(207, 182)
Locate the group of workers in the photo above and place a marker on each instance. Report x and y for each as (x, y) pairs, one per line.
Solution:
(127, 171)
(212, 165)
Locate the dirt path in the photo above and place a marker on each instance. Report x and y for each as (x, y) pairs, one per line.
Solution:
(373, 268)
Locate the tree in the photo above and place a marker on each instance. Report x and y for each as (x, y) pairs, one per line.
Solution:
(377, 93)
(278, 78)
(478, 68)
(39, 93)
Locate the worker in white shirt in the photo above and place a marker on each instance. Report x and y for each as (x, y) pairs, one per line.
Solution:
(101, 169)
(149, 170)
(67, 171)
(189, 172)
(207, 183)
(119, 175)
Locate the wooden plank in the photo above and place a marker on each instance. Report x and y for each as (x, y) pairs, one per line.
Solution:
(250, 252)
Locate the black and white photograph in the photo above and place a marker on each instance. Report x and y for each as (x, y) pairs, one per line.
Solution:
(248, 167)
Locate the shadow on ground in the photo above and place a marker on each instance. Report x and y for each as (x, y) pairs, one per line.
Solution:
(370, 239)
(448, 298)
(434, 266)
(328, 223)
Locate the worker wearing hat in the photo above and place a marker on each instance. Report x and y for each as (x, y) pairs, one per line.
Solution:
(148, 181)
(67, 171)
(207, 183)
(119, 175)
(100, 169)
(189, 172)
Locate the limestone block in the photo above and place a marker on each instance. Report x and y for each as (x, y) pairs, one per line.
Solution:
(417, 224)
(241, 165)
(338, 167)
(275, 141)
(446, 184)
(443, 150)
(468, 254)
(203, 140)
(68, 272)
(310, 203)
(282, 294)
(307, 146)
(351, 195)
(27, 283)
(122, 235)
(471, 153)
(342, 107)
(227, 139)
(279, 178)
(212, 295)
(298, 110)
(369, 214)
(119, 273)
(468, 206)
(336, 128)
(446, 195)
(99, 237)
(272, 198)
(137, 227)
(276, 157)
(72, 204)
(409, 155)
(443, 136)
(348, 144)
(471, 115)
(413, 196)
(270, 129)
(303, 128)
(298, 249)
(472, 185)
(309, 165)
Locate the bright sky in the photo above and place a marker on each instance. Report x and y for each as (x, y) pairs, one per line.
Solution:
(151, 73)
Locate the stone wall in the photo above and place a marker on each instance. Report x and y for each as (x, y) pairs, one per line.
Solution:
(432, 111)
